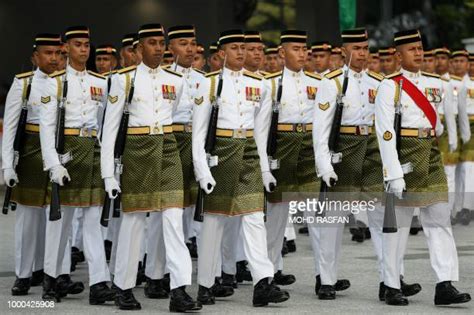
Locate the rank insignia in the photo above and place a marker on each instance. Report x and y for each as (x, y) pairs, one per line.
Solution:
(433, 95)
(323, 106)
(198, 100)
(252, 94)
(96, 94)
(470, 93)
(372, 95)
(113, 99)
(169, 92)
(45, 99)
(387, 136)
(311, 92)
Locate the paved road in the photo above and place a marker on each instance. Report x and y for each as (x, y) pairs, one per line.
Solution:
(357, 264)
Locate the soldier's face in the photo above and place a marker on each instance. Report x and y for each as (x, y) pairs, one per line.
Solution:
(309, 64)
(184, 50)
(235, 54)
(429, 64)
(215, 62)
(272, 63)
(294, 55)
(199, 61)
(321, 60)
(442, 63)
(374, 64)
(152, 49)
(460, 65)
(411, 56)
(359, 52)
(78, 49)
(105, 63)
(254, 55)
(388, 64)
(47, 58)
(335, 61)
(471, 69)
(129, 58)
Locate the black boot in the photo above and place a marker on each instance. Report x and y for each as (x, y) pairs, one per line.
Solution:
(264, 293)
(37, 278)
(193, 250)
(205, 296)
(181, 302)
(394, 297)
(219, 290)
(317, 286)
(229, 280)
(447, 294)
(66, 286)
(381, 291)
(291, 246)
(78, 255)
(284, 248)
(342, 284)
(154, 289)
(358, 232)
(243, 274)
(21, 286)
(409, 289)
(281, 279)
(49, 289)
(140, 274)
(100, 293)
(464, 216)
(327, 292)
(415, 226)
(303, 230)
(125, 300)
(166, 282)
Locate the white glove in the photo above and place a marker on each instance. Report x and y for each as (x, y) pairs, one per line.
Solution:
(58, 173)
(9, 175)
(207, 182)
(327, 178)
(268, 179)
(453, 146)
(111, 184)
(396, 186)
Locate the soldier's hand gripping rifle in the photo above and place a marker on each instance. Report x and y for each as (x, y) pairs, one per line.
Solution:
(390, 218)
(272, 139)
(333, 140)
(104, 219)
(55, 211)
(18, 143)
(210, 144)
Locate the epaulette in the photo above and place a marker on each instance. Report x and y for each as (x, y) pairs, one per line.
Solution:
(252, 75)
(264, 73)
(109, 73)
(125, 70)
(455, 77)
(200, 71)
(210, 74)
(431, 75)
(313, 75)
(24, 75)
(444, 79)
(173, 72)
(166, 67)
(375, 75)
(94, 74)
(393, 75)
(333, 74)
(57, 73)
(273, 75)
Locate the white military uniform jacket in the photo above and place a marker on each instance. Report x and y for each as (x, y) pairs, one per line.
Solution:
(469, 96)
(156, 96)
(13, 104)
(85, 96)
(412, 116)
(244, 104)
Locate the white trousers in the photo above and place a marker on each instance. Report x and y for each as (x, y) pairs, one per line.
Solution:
(465, 183)
(290, 234)
(29, 240)
(436, 223)
(314, 236)
(255, 247)
(188, 222)
(58, 236)
(450, 171)
(230, 240)
(166, 248)
(77, 227)
(277, 219)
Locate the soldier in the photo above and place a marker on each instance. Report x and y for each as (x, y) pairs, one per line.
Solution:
(471, 64)
(127, 55)
(244, 114)
(337, 59)
(167, 58)
(213, 60)
(321, 52)
(388, 60)
(309, 64)
(429, 64)
(427, 181)
(29, 180)
(199, 59)
(272, 59)
(373, 63)
(105, 58)
(84, 188)
(149, 138)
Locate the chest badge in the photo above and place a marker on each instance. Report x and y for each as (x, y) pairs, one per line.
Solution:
(45, 99)
(372, 94)
(433, 95)
(96, 94)
(169, 92)
(324, 106)
(252, 94)
(311, 92)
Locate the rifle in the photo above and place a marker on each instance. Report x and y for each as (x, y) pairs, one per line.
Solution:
(390, 218)
(334, 137)
(18, 143)
(210, 144)
(272, 140)
(55, 211)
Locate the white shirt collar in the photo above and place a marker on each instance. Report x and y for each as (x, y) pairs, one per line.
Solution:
(289, 73)
(409, 74)
(232, 73)
(352, 73)
(178, 68)
(71, 71)
(40, 74)
(145, 68)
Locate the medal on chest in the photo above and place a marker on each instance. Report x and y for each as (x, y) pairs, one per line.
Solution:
(169, 92)
(433, 95)
(252, 94)
(311, 92)
(372, 94)
(96, 93)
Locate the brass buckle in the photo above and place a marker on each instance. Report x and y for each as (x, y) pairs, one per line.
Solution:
(300, 127)
(85, 132)
(156, 130)
(424, 133)
(363, 130)
(188, 127)
(239, 133)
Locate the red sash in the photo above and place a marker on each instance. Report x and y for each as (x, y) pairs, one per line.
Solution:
(419, 98)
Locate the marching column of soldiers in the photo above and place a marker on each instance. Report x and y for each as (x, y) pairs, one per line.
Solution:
(151, 162)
